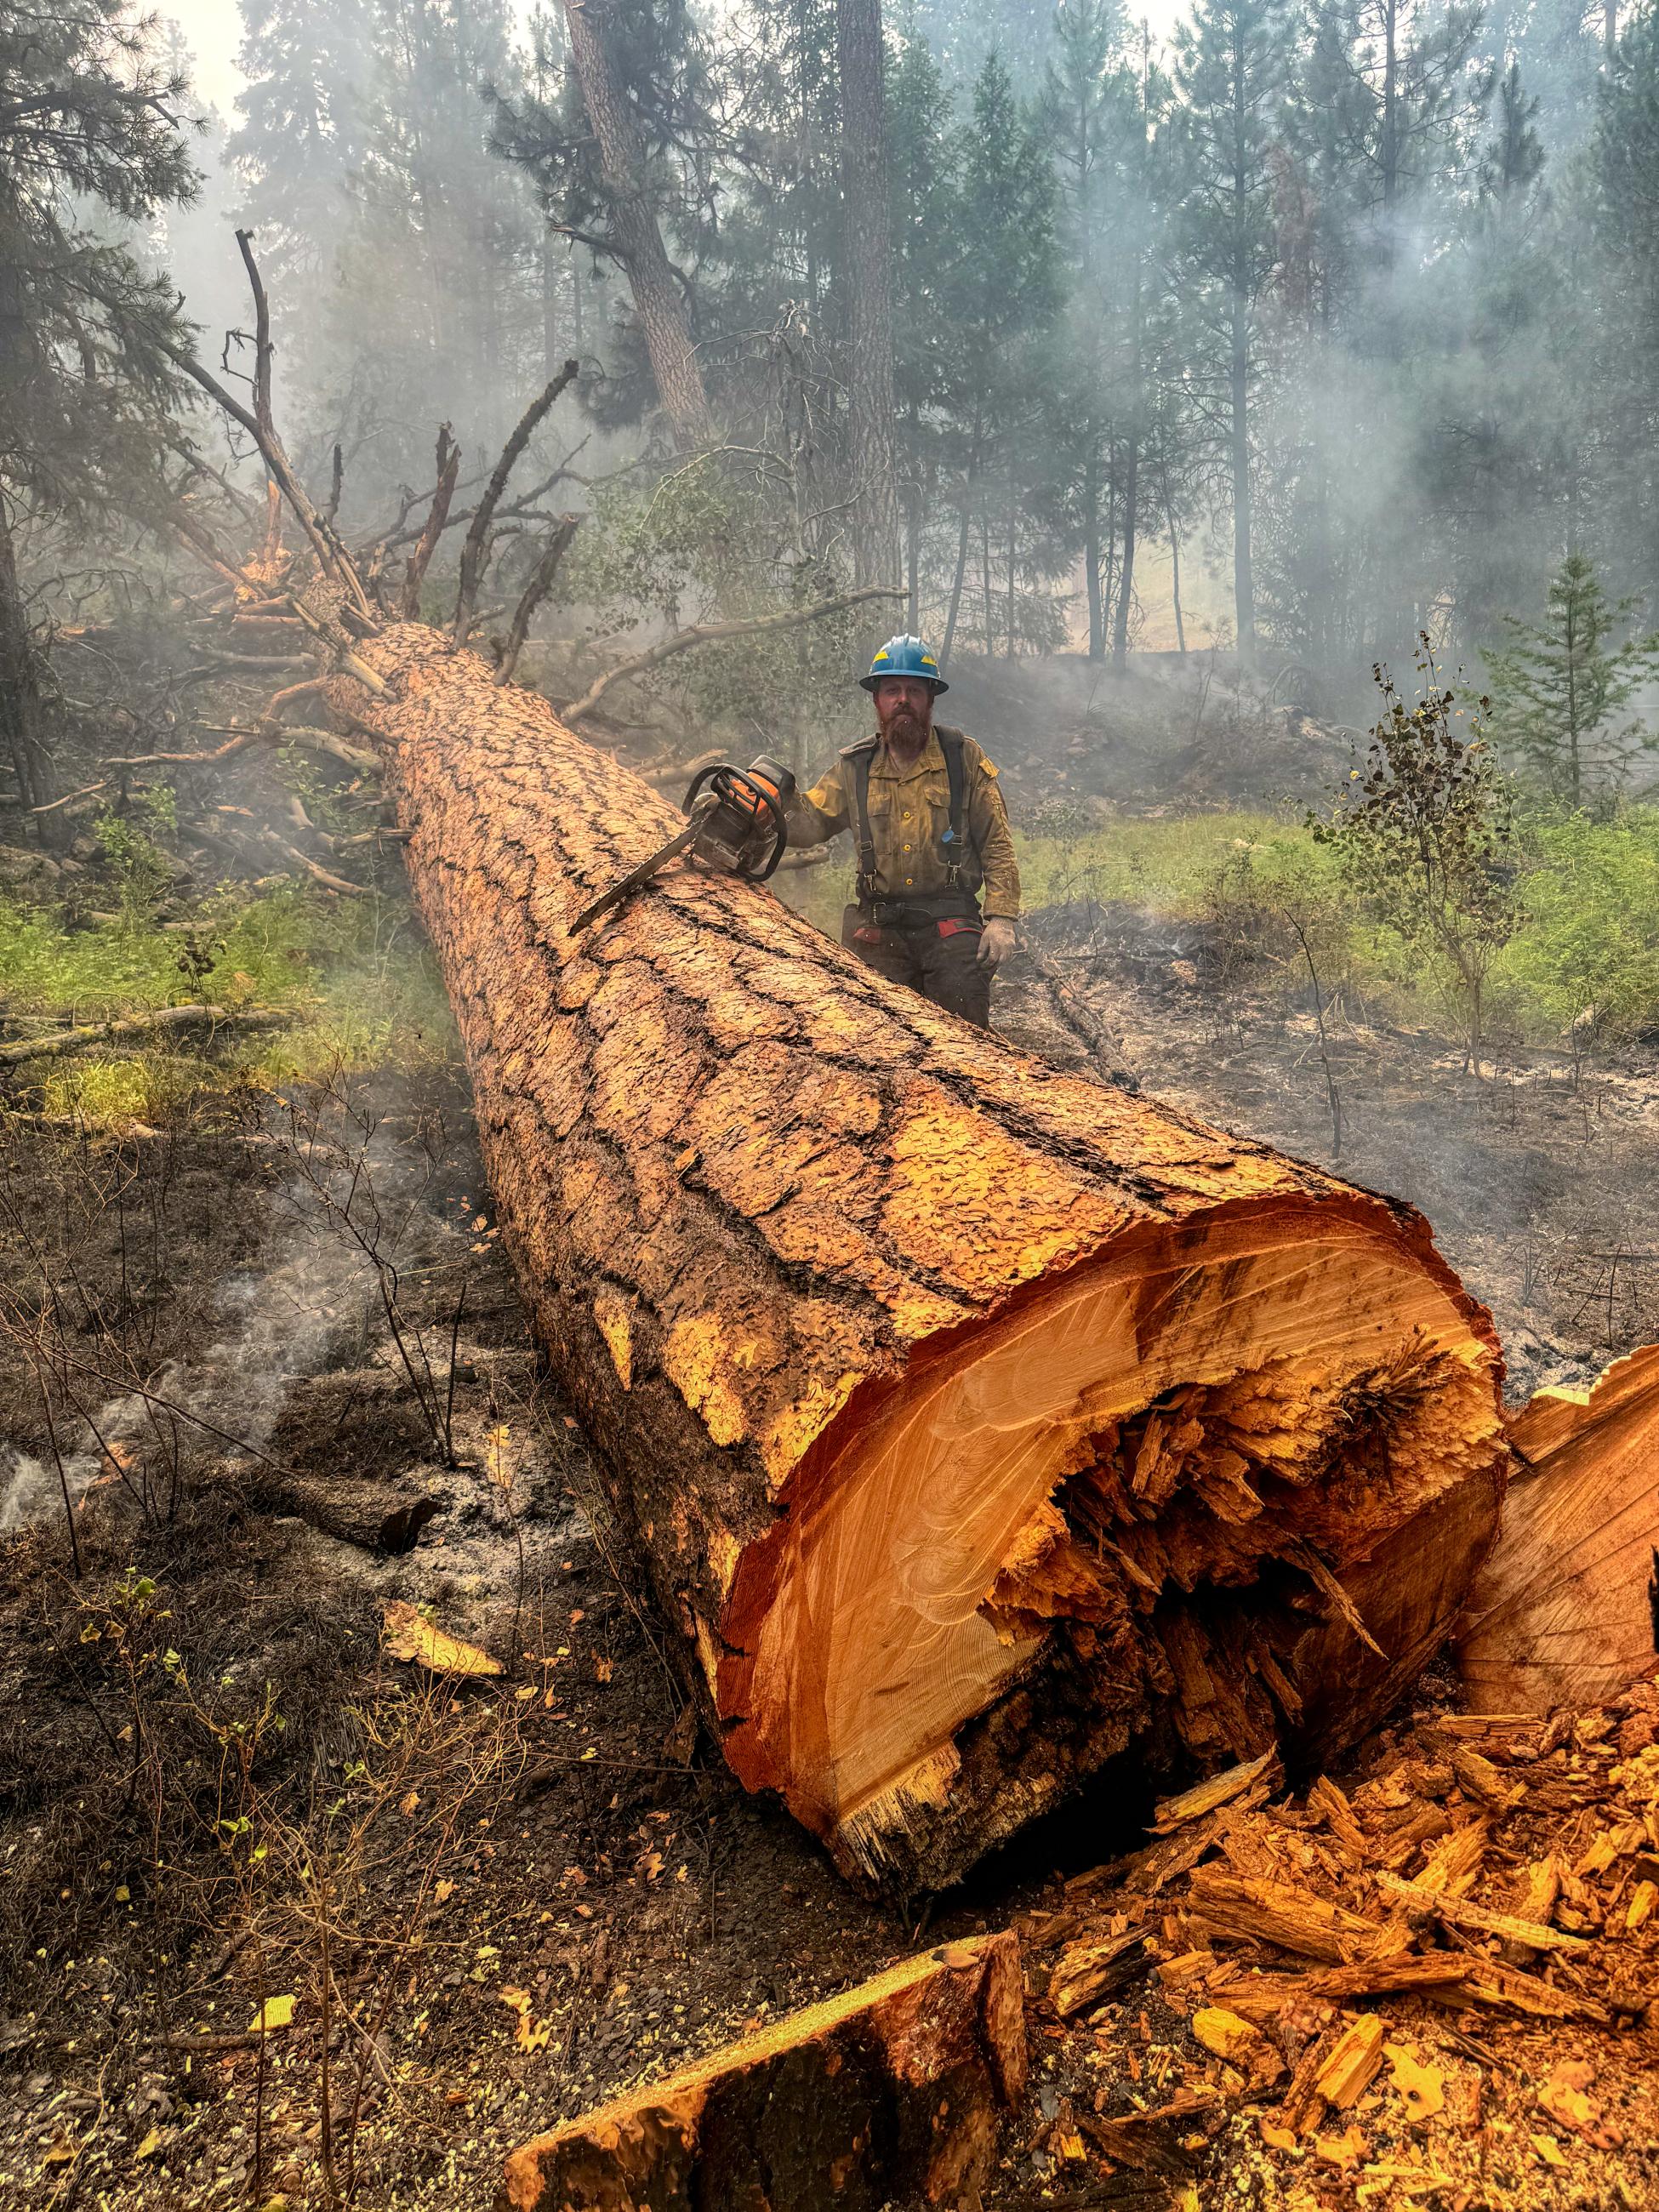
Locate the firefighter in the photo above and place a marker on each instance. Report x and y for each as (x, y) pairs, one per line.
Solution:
(938, 883)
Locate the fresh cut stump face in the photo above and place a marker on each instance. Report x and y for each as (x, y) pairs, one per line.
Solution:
(1159, 1467)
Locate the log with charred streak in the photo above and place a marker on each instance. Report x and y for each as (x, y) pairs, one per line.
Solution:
(975, 1422)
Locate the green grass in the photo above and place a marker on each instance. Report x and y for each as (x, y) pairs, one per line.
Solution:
(1589, 940)
(362, 985)
(357, 975)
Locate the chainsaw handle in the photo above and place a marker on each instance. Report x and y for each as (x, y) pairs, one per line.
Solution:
(750, 794)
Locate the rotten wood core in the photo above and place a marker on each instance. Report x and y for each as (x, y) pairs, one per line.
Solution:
(974, 1422)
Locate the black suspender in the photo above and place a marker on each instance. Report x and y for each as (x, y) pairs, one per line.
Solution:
(951, 746)
(858, 758)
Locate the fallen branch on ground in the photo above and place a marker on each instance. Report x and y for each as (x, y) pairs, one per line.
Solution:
(164, 1021)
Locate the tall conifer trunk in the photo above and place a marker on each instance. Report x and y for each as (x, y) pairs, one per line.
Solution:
(20, 717)
(657, 299)
(869, 276)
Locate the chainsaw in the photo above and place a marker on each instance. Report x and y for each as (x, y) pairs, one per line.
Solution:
(737, 827)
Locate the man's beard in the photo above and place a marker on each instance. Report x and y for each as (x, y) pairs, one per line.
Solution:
(906, 727)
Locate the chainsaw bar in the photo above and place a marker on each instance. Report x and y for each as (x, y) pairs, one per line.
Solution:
(635, 877)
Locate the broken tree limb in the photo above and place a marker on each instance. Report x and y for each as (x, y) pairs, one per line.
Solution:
(968, 1417)
(475, 549)
(414, 568)
(1566, 1609)
(899, 2086)
(712, 634)
(268, 733)
(376, 1515)
(540, 584)
(166, 1021)
(262, 428)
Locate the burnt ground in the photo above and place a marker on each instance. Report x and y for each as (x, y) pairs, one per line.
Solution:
(495, 1900)
(1537, 1177)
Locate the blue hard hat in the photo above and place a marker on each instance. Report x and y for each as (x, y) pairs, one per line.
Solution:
(905, 656)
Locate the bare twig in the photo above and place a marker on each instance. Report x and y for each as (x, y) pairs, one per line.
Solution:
(534, 593)
(712, 633)
(473, 552)
(69, 799)
(261, 427)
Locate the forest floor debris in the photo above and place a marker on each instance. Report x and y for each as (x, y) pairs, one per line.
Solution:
(606, 1904)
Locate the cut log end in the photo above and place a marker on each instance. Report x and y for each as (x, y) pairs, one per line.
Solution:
(1566, 1609)
(1219, 1491)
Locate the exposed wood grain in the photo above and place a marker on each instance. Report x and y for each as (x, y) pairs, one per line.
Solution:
(1565, 1611)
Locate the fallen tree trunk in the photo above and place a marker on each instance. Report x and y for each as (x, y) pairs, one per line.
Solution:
(974, 1421)
(1566, 1609)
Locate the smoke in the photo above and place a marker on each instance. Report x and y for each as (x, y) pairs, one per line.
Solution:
(309, 1302)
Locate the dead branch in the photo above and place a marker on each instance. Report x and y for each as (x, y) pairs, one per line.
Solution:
(163, 1021)
(414, 568)
(242, 664)
(200, 542)
(310, 688)
(87, 790)
(269, 732)
(713, 633)
(261, 427)
(315, 869)
(236, 745)
(348, 662)
(534, 593)
(473, 552)
(325, 741)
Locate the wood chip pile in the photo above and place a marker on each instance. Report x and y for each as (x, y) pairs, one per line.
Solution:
(1440, 1987)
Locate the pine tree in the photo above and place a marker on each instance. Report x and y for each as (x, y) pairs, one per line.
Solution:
(303, 136)
(1508, 466)
(88, 147)
(1001, 293)
(1232, 63)
(925, 210)
(1620, 396)
(663, 66)
(1560, 684)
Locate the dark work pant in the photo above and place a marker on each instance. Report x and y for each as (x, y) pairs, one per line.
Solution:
(939, 959)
